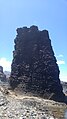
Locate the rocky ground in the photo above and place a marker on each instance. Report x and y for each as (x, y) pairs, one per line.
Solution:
(16, 106)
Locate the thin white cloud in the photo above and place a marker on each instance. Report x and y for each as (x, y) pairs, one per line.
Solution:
(60, 55)
(59, 62)
(60, 59)
(5, 64)
(63, 77)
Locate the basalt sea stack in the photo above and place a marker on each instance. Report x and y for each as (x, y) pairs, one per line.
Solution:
(34, 65)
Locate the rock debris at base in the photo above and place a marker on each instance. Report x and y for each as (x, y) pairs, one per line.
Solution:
(16, 106)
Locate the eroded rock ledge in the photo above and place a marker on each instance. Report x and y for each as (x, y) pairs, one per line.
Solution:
(34, 65)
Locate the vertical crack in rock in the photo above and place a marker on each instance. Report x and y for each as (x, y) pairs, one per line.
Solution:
(34, 65)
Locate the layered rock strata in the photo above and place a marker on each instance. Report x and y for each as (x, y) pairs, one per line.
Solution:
(34, 65)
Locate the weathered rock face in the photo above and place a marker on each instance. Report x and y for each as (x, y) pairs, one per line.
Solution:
(1, 69)
(2, 75)
(34, 64)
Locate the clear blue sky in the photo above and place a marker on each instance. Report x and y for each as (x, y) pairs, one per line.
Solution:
(46, 14)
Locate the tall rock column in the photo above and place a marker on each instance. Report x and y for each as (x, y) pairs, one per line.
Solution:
(34, 65)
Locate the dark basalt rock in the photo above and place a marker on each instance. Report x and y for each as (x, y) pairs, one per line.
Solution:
(34, 64)
(2, 75)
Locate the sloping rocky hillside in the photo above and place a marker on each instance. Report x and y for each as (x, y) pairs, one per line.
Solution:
(13, 105)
